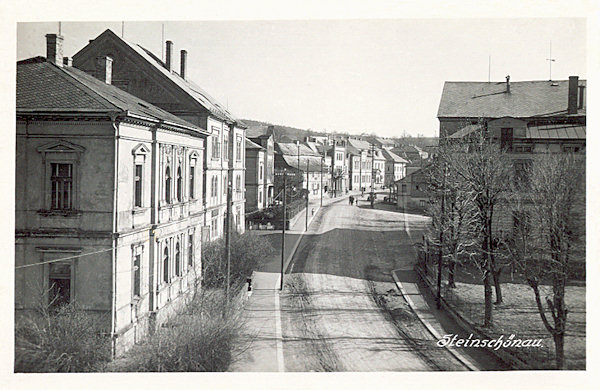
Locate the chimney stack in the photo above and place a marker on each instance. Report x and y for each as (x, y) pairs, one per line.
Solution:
(67, 61)
(169, 55)
(183, 64)
(573, 86)
(104, 69)
(508, 84)
(54, 49)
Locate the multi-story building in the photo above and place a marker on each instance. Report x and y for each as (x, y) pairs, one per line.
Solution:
(395, 167)
(109, 198)
(525, 118)
(263, 136)
(141, 73)
(378, 167)
(360, 164)
(255, 176)
(310, 167)
(339, 174)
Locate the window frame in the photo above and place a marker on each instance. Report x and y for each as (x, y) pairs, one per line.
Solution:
(61, 152)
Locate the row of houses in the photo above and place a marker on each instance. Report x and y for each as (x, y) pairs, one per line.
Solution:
(327, 165)
(526, 119)
(124, 168)
(123, 171)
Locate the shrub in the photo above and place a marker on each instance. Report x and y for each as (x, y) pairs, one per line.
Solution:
(246, 251)
(200, 338)
(66, 340)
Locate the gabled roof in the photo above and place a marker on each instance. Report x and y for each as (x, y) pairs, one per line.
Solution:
(256, 131)
(359, 144)
(253, 145)
(314, 163)
(46, 87)
(390, 156)
(465, 131)
(189, 87)
(490, 100)
(291, 149)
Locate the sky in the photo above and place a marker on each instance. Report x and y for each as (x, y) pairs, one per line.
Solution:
(382, 76)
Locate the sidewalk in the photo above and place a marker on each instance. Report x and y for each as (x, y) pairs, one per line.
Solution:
(262, 311)
(438, 323)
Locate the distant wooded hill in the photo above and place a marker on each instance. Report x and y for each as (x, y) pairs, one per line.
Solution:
(290, 134)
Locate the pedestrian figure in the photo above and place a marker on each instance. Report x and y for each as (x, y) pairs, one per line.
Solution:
(351, 200)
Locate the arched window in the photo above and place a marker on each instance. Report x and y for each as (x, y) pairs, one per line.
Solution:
(177, 260)
(191, 250)
(166, 266)
(179, 184)
(168, 185)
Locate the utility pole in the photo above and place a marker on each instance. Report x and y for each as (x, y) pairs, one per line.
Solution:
(372, 175)
(322, 158)
(307, 194)
(228, 237)
(283, 228)
(440, 254)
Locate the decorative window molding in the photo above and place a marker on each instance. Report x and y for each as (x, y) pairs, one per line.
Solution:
(61, 179)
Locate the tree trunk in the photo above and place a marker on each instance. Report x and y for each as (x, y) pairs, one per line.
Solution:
(559, 348)
(487, 285)
(497, 273)
(451, 268)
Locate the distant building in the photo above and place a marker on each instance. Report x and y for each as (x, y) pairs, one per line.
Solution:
(255, 176)
(306, 163)
(263, 136)
(395, 167)
(412, 192)
(109, 198)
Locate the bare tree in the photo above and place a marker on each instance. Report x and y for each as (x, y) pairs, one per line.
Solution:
(547, 239)
(485, 170)
(450, 230)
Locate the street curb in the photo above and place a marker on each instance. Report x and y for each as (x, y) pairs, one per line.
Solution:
(430, 328)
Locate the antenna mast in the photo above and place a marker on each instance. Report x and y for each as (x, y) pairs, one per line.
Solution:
(489, 67)
(550, 61)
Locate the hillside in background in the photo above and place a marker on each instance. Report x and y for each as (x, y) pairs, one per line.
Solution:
(290, 134)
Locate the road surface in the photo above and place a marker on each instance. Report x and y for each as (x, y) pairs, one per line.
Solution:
(330, 320)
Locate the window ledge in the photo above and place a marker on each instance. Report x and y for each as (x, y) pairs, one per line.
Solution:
(139, 210)
(63, 213)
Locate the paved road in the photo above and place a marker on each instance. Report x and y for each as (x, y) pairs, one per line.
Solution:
(329, 319)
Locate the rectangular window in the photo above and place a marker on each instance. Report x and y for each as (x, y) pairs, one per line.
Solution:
(403, 188)
(136, 275)
(506, 139)
(238, 149)
(260, 171)
(138, 185)
(62, 186)
(225, 148)
(192, 181)
(60, 283)
(191, 250)
(523, 148)
(216, 143)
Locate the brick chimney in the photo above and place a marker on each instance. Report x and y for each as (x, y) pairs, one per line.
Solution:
(54, 49)
(507, 84)
(183, 64)
(573, 86)
(104, 69)
(169, 55)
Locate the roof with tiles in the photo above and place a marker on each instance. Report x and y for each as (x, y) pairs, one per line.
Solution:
(390, 156)
(46, 87)
(491, 100)
(192, 89)
(291, 149)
